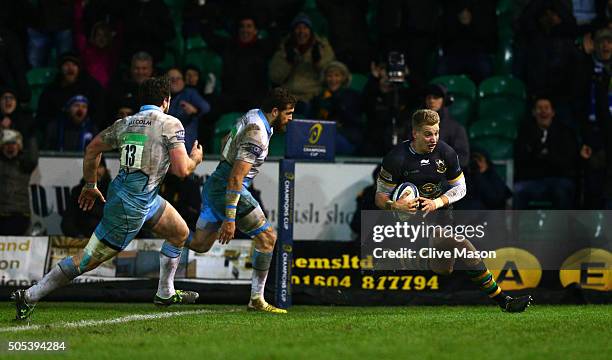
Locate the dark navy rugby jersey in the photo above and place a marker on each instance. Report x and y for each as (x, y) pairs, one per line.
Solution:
(429, 172)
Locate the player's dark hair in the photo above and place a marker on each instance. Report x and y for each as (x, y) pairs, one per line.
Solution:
(424, 117)
(279, 98)
(153, 91)
(542, 97)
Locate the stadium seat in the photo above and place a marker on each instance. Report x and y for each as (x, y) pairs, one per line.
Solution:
(207, 60)
(371, 20)
(194, 43)
(504, 58)
(224, 124)
(41, 76)
(167, 62)
(502, 97)
(493, 127)
(36, 92)
(358, 81)
(502, 86)
(175, 7)
(457, 85)
(463, 91)
(319, 22)
(499, 148)
(505, 13)
(502, 108)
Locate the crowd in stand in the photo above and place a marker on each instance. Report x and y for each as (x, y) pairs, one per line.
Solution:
(99, 51)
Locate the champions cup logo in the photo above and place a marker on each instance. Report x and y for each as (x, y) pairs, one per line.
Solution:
(289, 176)
(287, 248)
(315, 133)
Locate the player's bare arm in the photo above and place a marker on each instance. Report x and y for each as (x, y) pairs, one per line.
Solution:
(182, 164)
(234, 185)
(91, 161)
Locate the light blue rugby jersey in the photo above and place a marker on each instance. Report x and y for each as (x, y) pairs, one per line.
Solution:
(144, 140)
(248, 141)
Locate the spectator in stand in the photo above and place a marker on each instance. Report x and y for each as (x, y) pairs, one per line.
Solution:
(186, 105)
(469, 38)
(100, 50)
(245, 61)
(298, 62)
(72, 130)
(192, 78)
(545, 51)
(124, 90)
(12, 116)
(125, 110)
(348, 31)
(341, 104)
(486, 190)
(545, 154)
(16, 166)
(70, 81)
(51, 28)
(80, 223)
(383, 101)
(451, 132)
(148, 27)
(595, 80)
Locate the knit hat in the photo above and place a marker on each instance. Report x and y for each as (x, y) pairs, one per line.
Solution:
(69, 56)
(603, 34)
(301, 18)
(10, 136)
(436, 90)
(339, 66)
(439, 91)
(8, 90)
(75, 99)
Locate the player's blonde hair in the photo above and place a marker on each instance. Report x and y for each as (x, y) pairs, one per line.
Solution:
(424, 117)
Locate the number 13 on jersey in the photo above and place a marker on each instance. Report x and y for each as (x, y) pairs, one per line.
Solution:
(132, 146)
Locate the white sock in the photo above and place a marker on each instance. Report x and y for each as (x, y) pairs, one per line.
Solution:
(167, 269)
(258, 283)
(53, 280)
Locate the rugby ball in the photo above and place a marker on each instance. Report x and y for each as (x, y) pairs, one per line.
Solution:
(407, 190)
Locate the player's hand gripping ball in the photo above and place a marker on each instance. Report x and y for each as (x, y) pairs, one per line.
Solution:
(405, 195)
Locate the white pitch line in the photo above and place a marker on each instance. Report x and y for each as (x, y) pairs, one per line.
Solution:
(119, 320)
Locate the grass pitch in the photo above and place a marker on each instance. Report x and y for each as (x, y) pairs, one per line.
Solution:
(134, 331)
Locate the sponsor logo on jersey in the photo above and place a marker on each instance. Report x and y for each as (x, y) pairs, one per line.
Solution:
(253, 149)
(180, 135)
(139, 122)
(424, 162)
(430, 190)
(440, 166)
